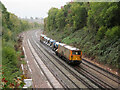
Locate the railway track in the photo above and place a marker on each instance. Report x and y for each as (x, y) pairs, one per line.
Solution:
(73, 73)
(100, 83)
(55, 75)
(43, 71)
(80, 79)
(102, 71)
(53, 72)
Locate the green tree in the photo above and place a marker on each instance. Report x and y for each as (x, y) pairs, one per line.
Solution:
(79, 15)
(51, 22)
(60, 19)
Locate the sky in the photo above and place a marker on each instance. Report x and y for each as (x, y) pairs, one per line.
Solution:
(32, 8)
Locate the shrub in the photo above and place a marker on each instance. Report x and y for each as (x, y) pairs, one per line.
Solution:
(114, 32)
(9, 55)
(101, 32)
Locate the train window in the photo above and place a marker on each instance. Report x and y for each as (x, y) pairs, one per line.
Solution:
(76, 52)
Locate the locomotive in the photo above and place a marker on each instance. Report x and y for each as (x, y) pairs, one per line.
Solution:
(70, 54)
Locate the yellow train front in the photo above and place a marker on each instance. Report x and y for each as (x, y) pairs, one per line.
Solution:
(71, 54)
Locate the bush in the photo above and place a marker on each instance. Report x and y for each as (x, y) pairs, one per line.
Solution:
(101, 32)
(9, 55)
(113, 33)
(10, 63)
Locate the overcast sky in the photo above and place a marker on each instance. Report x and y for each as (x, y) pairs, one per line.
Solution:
(32, 8)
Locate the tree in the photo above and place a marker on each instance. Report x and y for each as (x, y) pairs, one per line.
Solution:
(79, 15)
(51, 22)
(60, 19)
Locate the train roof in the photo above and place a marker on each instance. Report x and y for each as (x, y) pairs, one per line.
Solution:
(51, 40)
(71, 48)
(57, 43)
(47, 38)
(62, 44)
(43, 35)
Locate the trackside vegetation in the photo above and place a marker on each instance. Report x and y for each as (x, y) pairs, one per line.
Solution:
(11, 27)
(94, 27)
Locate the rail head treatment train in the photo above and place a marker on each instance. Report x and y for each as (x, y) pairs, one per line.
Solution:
(70, 54)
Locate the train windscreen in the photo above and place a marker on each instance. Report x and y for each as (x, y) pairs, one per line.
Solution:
(76, 52)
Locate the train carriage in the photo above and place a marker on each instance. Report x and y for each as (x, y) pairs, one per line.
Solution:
(55, 46)
(42, 37)
(46, 40)
(51, 42)
(70, 54)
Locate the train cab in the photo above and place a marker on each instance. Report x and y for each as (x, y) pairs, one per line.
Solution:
(75, 54)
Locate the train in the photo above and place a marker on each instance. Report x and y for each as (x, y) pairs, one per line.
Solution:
(70, 54)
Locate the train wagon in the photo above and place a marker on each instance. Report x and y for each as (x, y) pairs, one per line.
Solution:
(42, 37)
(55, 46)
(46, 40)
(51, 42)
(71, 54)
